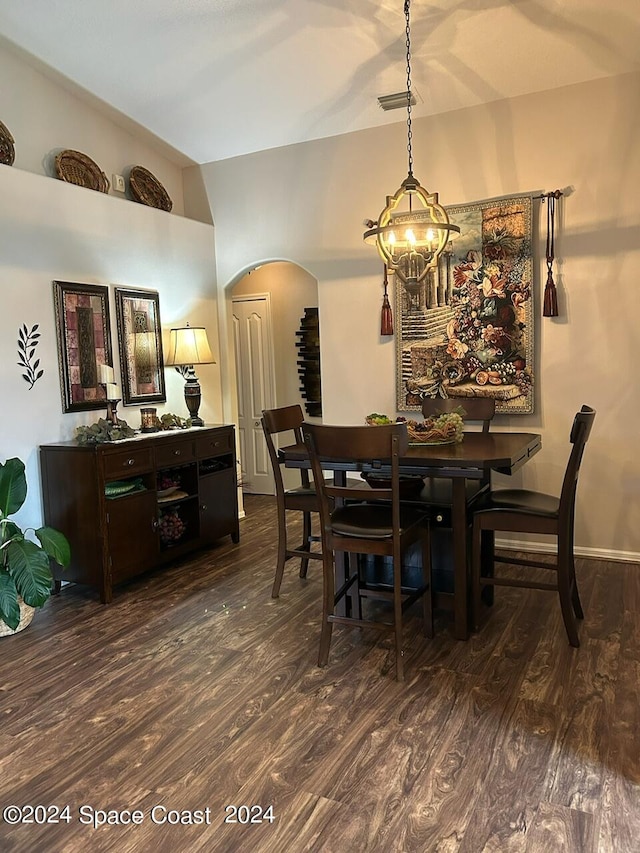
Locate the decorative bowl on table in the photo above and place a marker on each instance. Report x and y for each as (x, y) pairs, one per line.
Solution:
(446, 428)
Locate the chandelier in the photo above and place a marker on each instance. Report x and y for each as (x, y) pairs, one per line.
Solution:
(413, 229)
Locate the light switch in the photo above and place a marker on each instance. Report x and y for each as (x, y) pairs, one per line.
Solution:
(117, 183)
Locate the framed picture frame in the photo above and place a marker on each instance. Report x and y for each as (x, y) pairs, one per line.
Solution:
(83, 331)
(140, 346)
(468, 330)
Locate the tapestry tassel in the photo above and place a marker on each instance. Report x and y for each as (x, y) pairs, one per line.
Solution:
(550, 302)
(550, 305)
(386, 318)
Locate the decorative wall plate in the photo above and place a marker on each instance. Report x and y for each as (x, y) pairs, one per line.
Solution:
(76, 168)
(7, 150)
(147, 189)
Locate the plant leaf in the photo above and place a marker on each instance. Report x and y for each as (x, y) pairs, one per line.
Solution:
(10, 530)
(39, 374)
(29, 566)
(9, 607)
(13, 486)
(55, 544)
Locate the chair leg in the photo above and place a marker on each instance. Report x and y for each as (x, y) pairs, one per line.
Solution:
(397, 618)
(328, 594)
(575, 599)
(565, 590)
(282, 553)
(306, 542)
(476, 563)
(427, 580)
(487, 565)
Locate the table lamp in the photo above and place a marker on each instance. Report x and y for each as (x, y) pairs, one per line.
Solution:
(188, 345)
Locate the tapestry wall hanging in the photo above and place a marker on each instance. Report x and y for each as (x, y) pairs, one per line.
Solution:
(467, 330)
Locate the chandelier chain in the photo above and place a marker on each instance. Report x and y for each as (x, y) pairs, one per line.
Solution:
(408, 43)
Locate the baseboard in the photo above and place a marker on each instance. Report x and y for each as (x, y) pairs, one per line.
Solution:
(544, 548)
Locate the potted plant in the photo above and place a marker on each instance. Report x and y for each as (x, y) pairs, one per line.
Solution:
(25, 571)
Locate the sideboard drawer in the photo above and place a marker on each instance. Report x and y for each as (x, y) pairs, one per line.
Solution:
(133, 461)
(215, 443)
(175, 453)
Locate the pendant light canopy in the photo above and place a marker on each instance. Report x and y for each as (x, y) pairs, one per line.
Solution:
(413, 229)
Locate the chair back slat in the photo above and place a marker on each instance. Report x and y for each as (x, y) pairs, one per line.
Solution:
(476, 408)
(338, 445)
(275, 422)
(580, 431)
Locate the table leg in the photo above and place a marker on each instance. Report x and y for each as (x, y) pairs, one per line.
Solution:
(345, 606)
(460, 561)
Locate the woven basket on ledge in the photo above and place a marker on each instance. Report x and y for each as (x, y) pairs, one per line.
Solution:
(76, 168)
(147, 189)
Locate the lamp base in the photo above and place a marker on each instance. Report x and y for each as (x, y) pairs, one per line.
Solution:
(192, 397)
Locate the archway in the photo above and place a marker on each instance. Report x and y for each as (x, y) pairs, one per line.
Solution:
(287, 289)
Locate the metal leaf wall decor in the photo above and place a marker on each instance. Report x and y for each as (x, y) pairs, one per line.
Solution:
(28, 340)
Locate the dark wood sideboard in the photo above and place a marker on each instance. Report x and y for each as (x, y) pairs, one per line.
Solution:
(108, 499)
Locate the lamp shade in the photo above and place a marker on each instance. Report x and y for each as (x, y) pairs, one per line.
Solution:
(189, 345)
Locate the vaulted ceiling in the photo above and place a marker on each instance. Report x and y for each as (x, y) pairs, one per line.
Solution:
(220, 78)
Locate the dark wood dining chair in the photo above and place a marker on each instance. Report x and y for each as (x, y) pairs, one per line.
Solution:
(437, 496)
(525, 511)
(480, 409)
(287, 421)
(356, 519)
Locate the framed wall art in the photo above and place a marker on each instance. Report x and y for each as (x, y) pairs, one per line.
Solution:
(467, 329)
(84, 342)
(140, 346)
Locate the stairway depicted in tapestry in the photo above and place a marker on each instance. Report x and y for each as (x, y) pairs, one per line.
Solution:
(428, 327)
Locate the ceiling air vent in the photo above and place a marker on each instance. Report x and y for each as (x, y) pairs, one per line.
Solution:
(396, 102)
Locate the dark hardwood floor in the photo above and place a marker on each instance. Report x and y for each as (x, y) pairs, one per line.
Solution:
(196, 691)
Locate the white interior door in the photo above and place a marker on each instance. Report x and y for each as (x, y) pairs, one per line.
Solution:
(253, 346)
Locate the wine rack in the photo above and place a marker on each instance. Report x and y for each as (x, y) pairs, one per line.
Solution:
(309, 362)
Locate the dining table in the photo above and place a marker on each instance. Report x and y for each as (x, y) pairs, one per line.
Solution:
(462, 463)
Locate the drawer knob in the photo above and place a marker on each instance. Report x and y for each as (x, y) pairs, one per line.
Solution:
(177, 453)
(439, 518)
(203, 507)
(130, 462)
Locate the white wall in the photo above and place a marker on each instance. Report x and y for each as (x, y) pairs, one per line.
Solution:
(45, 114)
(50, 230)
(306, 203)
(53, 230)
